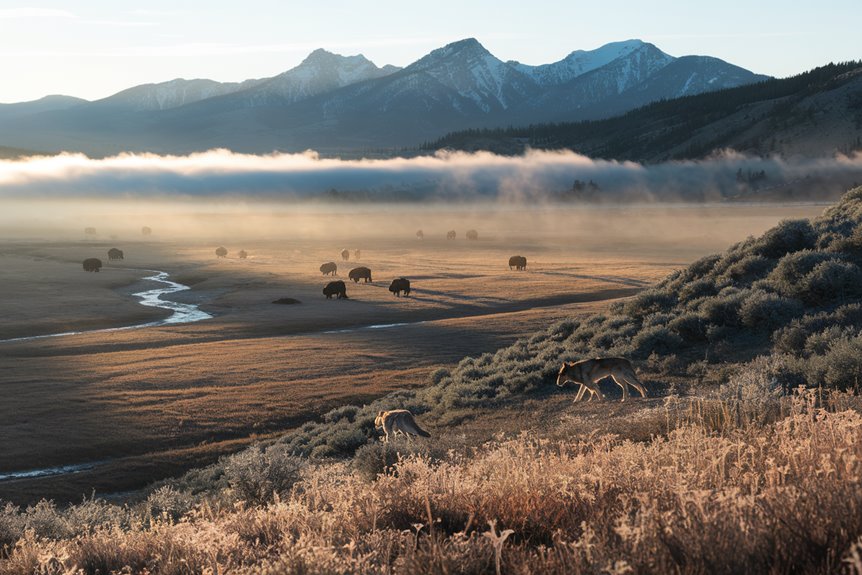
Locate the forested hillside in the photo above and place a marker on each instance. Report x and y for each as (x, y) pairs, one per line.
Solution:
(816, 113)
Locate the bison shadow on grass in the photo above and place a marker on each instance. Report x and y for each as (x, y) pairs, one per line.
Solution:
(287, 301)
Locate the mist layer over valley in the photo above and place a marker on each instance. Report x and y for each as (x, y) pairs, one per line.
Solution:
(536, 176)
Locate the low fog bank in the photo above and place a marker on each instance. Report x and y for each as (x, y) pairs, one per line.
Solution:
(537, 176)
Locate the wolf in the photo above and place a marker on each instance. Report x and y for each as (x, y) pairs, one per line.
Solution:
(589, 372)
(398, 421)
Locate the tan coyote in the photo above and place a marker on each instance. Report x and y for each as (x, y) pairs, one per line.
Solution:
(589, 372)
(398, 421)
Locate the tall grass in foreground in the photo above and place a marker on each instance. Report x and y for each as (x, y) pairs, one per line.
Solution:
(768, 497)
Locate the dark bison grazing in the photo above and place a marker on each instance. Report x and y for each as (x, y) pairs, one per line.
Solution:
(420, 235)
(147, 231)
(345, 255)
(518, 262)
(92, 264)
(242, 254)
(336, 288)
(450, 235)
(115, 254)
(400, 285)
(221, 252)
(472, 235)
(329, 268)
(360, 273)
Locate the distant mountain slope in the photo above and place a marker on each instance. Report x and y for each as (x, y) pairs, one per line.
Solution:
(171, 94)
(336, 103)
(815, 113)
(46, 104)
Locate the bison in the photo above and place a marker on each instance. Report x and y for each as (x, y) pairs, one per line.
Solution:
(221, 252)
(420, 235)
(472, 235)
(400, 285)
(360, 273)
(336, 288)
(357, 253)
(329, 268)
(89, 231)
(242, 254)
(147, 231)
(450, 235)
(345, 255)
(92, 264)
(518, 262)
(115, 254)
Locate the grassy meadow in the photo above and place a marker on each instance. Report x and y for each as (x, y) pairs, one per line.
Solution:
(746, 457)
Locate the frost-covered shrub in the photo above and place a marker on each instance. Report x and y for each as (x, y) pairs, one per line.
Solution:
(256, 474)
(840, 367)
(347, 412)
(691, 327)
(768, 311)
(698, 288)
(832, 281)
(754, 392)
(656, 339)
(750, 268)
(723, 309)
(701, 267)
(649, 302)
(168, 502)
(787, 277)
(787, 237)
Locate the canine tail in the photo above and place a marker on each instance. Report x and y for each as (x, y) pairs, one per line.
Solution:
(420, 431)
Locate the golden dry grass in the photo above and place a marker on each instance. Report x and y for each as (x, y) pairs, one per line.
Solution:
(783, 496)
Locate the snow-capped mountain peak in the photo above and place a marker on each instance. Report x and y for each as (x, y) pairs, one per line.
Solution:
(580, 62)
(474, 73)
(321, 71)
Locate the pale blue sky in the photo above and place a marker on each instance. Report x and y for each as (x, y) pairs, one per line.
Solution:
(93, 48)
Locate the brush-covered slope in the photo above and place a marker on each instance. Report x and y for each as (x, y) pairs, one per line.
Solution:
(817, 113)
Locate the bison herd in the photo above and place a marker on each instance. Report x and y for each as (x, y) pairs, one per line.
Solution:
(338, 288)
(95, 264)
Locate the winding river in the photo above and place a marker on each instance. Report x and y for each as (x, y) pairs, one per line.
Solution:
(182, 312)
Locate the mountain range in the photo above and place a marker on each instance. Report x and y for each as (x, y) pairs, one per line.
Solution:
(814, 114)
(347, 103)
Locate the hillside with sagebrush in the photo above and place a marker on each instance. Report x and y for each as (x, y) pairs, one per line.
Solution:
(747, 457)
